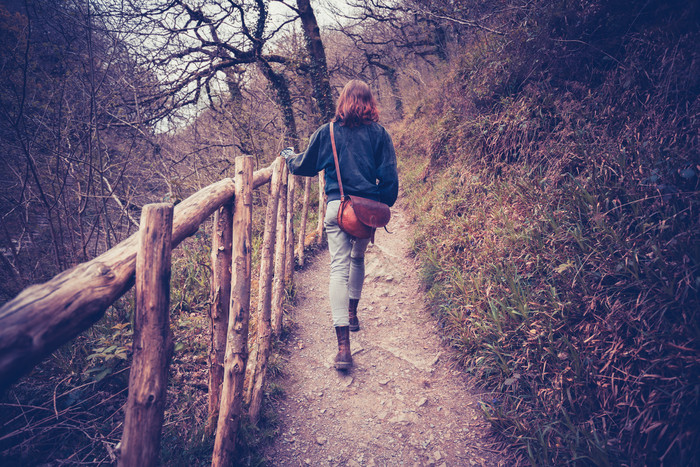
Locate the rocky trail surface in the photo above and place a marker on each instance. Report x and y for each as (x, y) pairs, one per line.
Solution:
(402, 403)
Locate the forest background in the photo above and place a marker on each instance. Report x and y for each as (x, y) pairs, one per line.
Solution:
(549, 149)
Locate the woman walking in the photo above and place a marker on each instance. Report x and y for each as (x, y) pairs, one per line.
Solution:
(368, 167)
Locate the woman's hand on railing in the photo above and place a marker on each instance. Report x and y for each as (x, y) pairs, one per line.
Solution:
(287, 152)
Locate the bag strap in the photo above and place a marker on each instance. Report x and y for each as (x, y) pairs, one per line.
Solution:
(337, 166)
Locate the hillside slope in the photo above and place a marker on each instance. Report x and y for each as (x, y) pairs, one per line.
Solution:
(553, 175)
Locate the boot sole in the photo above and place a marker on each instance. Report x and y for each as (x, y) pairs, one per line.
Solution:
(343, 365)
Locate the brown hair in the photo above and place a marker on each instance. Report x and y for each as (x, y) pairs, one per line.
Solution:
(356, 105)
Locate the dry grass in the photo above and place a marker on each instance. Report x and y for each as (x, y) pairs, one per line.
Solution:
(558, 228)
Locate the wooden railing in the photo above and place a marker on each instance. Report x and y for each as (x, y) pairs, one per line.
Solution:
(45, 316)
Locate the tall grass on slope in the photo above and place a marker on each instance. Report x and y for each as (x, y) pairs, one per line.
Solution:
(585, 337)
(560, 242)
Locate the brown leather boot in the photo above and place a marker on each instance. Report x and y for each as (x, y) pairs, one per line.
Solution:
(343, 360)
(352, 310)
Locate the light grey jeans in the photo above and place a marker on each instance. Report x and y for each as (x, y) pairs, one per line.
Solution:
(347, 266)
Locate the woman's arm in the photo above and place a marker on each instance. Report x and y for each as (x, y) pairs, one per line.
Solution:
(306, 163)
(386, 172)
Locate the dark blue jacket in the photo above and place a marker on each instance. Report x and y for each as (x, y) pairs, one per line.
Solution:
(366, 157)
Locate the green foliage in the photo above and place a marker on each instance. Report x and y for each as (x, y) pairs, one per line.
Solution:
(110, 353)
(193, 451)
(191, 272)
(557, 228)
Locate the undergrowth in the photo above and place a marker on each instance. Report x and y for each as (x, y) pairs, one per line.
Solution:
(70, 409)
(557, 214)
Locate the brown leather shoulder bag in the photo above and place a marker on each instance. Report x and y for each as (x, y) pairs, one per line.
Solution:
(357, 216)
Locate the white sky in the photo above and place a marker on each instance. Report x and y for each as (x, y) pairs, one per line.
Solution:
(321, 10)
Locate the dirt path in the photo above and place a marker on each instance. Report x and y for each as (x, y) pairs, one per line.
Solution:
(402, 403)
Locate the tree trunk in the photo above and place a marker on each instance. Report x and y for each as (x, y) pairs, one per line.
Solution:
(153, 343)
(219, 307)
(264, 337)
(45, 316)
(280, 252)
(395, 91)
(237, 344)
(284, 99)
(317, 54)
(240, 126)
(390, 73)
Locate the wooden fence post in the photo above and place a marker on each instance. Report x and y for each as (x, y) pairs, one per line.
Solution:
(321, 207)
(289, 242)
(237, 344)
(264, 336)
(304, 219)
(220, 296)
(152, 340)
(280, 253)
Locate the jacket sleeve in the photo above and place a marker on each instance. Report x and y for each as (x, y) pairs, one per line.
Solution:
(387, 174)
(306, 163)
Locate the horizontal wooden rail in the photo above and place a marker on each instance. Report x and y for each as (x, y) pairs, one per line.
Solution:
(45, 316)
